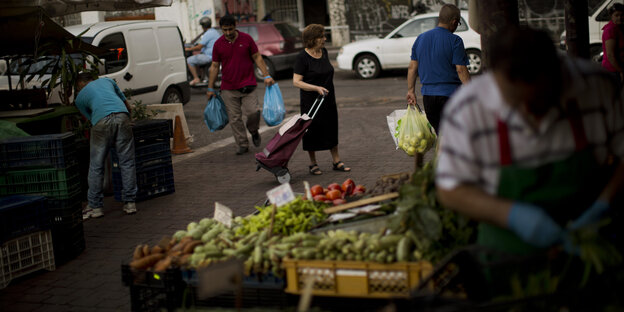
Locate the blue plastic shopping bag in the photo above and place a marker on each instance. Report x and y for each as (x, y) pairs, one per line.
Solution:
(273, 111)
(215, 115)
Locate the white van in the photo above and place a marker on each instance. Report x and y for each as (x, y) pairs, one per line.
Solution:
(598, 11)
(146, 57)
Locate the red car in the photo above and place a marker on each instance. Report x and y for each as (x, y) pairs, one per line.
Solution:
(278, 42)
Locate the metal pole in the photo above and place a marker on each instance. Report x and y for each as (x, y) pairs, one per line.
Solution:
(577, 27)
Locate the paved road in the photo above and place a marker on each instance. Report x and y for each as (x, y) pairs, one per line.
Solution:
(92, 281)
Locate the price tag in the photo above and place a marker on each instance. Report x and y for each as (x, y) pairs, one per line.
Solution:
(306, 185)
(281, 195)
(223, 214)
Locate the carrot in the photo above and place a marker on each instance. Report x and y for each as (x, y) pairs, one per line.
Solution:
(146, 250)
(191, 246)
(146, 261)
(180, 245)
(138, 252)
(156, 250)
(163, 264)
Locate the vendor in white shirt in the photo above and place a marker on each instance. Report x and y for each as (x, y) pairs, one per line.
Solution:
(525, 148)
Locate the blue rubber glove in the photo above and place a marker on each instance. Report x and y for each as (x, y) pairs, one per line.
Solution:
(591, 215)
(533, 225)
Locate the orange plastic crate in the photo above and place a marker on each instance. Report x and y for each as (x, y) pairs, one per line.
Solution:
(355, 278)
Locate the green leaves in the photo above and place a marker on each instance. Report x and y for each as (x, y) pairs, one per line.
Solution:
(434, 229)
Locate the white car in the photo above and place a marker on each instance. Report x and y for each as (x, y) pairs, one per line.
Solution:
(369, 57)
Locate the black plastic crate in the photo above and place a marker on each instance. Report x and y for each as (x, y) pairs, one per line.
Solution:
(151, 291)
(147, 155)
(68, 242)
(152, 130)
(50, 150)
(50, 182)
(20, 215)
(151, 182)
(258, 290)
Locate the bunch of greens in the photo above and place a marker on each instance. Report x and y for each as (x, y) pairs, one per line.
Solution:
(435, 230)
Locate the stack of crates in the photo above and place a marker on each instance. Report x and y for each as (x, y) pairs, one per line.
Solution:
(25, 238)
(154, 170)
(47, 165)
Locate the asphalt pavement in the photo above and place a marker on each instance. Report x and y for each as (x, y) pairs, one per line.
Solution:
(213, 173)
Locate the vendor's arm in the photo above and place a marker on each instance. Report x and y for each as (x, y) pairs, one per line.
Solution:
(412, 73)
(128, 107)
(473, 202)
(299, 83)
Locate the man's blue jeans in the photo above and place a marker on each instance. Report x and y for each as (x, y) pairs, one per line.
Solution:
(115, 131)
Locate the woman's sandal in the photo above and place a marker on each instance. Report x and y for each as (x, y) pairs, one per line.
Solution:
(340, 166)
(315, 170)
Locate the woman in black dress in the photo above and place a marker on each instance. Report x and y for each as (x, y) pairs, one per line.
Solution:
(313, 74)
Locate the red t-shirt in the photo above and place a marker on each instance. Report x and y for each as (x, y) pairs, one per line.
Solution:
(612, 31)
(237, 65)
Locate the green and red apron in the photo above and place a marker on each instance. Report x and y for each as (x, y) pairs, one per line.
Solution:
(564, 188)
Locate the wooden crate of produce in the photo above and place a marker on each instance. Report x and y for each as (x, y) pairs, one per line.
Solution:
(355, 278)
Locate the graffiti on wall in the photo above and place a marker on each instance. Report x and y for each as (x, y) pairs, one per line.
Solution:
(373, 18)
(242, 10)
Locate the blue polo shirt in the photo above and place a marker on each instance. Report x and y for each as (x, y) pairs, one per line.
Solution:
(99, 99)
(437, 52)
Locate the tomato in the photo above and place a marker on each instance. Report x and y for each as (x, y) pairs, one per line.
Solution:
(359, 188)
(357, 193)
(316, 190)
(334, 186)
(320, 197)
(339, 201)
(347, 183)
(333, 194)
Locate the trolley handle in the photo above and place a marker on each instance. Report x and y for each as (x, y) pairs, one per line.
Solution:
(316, 105)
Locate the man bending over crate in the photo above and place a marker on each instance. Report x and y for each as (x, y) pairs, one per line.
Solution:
(102, 102)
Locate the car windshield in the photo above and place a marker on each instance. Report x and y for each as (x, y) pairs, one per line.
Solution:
(29, 66)
(288, 31)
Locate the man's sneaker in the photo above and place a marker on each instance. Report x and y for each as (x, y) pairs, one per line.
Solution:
(242, 150)
(88, 212)
(255, 137)
(129, 208)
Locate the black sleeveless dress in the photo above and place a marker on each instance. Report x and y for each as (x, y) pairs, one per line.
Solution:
(323, 132)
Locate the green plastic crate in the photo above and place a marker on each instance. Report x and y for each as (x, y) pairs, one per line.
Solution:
(53, 183)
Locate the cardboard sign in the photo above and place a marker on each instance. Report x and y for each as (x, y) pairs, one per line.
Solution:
(220, 277)
(281, 195)
(223, 214)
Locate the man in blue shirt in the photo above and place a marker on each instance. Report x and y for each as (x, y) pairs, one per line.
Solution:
(439, 58)
(205, 45)
(102, 102)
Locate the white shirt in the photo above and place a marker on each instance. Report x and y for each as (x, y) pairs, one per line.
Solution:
(469, 148)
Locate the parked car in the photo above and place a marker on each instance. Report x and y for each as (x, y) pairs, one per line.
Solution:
(369, 57)
(148, 57)
(278, 42)
(598, 11)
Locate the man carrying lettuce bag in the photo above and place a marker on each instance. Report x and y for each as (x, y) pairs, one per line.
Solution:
(527, 149)
(236, 52)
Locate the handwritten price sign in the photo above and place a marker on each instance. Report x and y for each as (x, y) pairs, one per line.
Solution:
(223, 214)
(281, 195)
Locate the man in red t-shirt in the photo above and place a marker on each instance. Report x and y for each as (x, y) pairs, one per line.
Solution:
(236, 52)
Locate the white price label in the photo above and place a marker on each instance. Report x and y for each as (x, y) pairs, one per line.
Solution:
(223, 214)
(281, 195)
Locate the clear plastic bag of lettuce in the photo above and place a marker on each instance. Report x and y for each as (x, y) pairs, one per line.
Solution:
(415, 134)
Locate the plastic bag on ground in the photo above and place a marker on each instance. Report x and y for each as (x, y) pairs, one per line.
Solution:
(273, 111)
(415, 133)
(215, 115)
